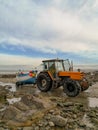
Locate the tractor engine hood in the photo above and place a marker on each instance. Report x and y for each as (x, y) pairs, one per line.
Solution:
(72, 75)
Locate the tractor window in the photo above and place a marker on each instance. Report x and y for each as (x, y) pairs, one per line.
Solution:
(66, 65)
(51, 65)
(59, 66)
(45, 65)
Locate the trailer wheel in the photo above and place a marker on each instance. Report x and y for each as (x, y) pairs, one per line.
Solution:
(18, 84)
(44, 82)
(71, 88)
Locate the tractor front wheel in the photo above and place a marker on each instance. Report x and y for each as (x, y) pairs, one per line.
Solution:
(71, 88)
(44, 82)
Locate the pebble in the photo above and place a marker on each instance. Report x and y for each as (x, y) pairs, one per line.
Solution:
(81, 124)
(59, 120)
(48, 116)
(74, 116)
(48, 128)
(51, 124)
(51, 111)
(67, 104)
(40, 124)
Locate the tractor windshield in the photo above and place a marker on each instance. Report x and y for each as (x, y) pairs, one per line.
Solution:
(59, 66)
(67, 65)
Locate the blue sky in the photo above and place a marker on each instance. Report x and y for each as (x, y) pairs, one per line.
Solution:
(33, 30)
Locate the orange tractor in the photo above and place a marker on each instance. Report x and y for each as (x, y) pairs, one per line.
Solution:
(59, 72)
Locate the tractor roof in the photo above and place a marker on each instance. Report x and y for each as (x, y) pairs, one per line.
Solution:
(52, 60)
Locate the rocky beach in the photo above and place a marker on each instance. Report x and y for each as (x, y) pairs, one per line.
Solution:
(48, 64)
(26, 108)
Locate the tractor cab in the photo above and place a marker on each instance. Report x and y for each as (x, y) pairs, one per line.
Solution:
(54, 66)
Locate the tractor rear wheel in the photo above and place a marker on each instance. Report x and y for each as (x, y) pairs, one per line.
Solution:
(71, 88)
(44, 82)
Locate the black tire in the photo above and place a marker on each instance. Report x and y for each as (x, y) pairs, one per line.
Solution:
(44, 82)
(71, 88)
(18, 84)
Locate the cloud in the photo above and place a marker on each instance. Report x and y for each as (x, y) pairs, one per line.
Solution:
(50, 26)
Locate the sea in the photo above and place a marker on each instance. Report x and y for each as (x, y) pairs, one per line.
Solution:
(12, 69)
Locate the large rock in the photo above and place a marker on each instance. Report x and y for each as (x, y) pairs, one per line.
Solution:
(32, 101)
(21, 106)
(14, 114)
(10, 113)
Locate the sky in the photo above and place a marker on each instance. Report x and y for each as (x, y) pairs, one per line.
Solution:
(33, 30)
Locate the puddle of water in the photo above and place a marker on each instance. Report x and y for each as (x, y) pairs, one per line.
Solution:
(93, 102)
(57, 92)
(7, 85)
(11, 87)
(13, 100)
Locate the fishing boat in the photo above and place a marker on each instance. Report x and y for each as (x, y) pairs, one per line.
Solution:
(26, 78)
